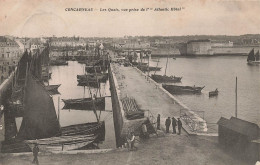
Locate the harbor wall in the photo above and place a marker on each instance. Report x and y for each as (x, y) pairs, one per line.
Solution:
(116, 106)
(122, 125)
(201, 125)
(4, 92)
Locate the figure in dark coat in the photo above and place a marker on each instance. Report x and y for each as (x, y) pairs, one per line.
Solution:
(167, 124)
(174, 124)
(35, 154)
(179, 126)
(158, 122)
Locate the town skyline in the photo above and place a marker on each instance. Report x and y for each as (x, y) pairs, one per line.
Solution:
(48, 18)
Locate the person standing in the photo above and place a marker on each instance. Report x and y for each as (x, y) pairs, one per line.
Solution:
(167, 124)
(144, 131)
(179, 126)
(158, 121)
(132, 141)
(35, 154)
(174, 124)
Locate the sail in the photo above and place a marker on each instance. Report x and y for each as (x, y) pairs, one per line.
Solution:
(40, 119)
(251, 56)
(21, 68)
(257, 56)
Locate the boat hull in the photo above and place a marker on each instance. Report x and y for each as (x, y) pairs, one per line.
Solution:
(166, 79)
(151, 68)
(92, 78)
(253, 62)
(174, 89)
(85, 104)
(213, 93)
(62, 143)
(58, 63)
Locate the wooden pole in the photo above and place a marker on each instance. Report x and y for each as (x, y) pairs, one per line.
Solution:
(148, 65)
(236, 98)
(166, 66)
(59, 108)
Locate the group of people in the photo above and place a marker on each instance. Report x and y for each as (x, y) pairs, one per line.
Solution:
(168, 122)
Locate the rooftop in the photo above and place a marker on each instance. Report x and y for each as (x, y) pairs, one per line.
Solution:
(240, 126)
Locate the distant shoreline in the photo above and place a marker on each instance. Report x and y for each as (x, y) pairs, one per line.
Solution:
(188, 56)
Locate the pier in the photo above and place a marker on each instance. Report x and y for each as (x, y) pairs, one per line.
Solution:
(160, 148)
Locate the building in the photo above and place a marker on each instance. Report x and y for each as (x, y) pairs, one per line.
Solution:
(239, 136)
(9, 56)
(199, 47)
(222, 44)
(68, 41)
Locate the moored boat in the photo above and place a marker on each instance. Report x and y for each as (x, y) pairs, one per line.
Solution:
(62, 143)
(150, 68)
(53, 89)
(213, 93)
(175, 89)
(85, 103)
(58, 62)
(165, 79)
(253, 58)
(100, 77)
(95, 69)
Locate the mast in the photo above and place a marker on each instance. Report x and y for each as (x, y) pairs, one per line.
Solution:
(148, 65)
(59, 108)
(166, 66)
(236, 98)
(257, 56)
(156, 65)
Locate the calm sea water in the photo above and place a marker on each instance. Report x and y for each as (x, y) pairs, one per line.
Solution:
(218, 72)
(67, 77)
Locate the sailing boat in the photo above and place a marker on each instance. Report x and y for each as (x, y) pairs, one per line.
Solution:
(43, 62)
(40, 124)
(164, 78)
(86, 103)
(253, 59)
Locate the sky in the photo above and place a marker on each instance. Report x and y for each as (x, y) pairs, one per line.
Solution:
(34, 18)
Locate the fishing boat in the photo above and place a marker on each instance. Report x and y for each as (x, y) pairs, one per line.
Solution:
(213, 93)
(53, 89)
(58, 62)
(150, 68)
(40, 123)
(85, 103)
(72, 137)
(138, 63)
(175, 89)
(164, 78)
(100, 77)
(253, 58)
(46, 76)
(95, 69)
(86, 83)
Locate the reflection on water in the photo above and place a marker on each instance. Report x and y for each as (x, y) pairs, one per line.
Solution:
(67, 77)
(218, 72)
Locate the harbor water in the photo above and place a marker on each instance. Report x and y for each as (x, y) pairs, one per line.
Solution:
(67, 77)
(217, 72)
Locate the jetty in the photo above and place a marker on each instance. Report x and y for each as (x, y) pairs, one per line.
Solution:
(191, 147)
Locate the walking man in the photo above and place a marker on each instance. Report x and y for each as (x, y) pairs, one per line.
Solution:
(167, 124)
(179, 126)
(35, 154)
(174, 124)
(158, 122)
